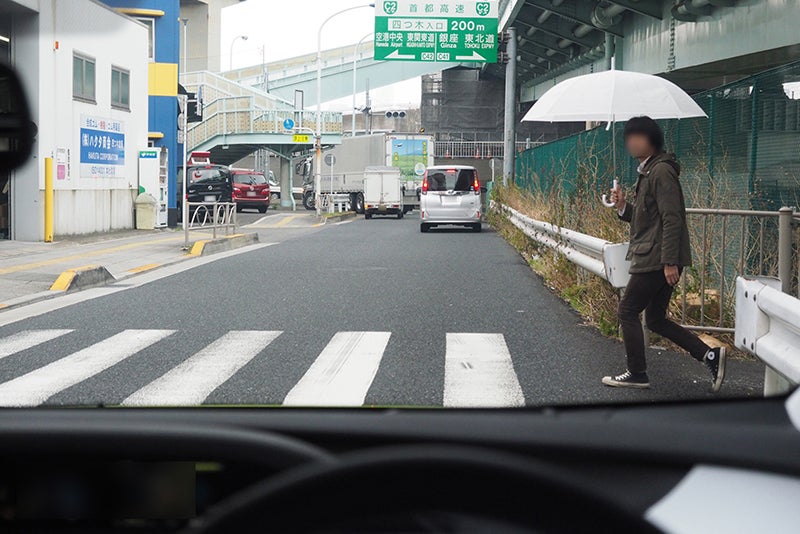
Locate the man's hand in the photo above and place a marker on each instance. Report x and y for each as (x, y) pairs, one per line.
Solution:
(618, 198)
(672, 274)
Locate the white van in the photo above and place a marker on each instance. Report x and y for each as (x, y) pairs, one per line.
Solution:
(450, 195)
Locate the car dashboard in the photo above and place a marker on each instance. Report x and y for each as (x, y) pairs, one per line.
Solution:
(644, 468)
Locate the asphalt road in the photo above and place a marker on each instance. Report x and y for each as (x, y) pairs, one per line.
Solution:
(367, 312)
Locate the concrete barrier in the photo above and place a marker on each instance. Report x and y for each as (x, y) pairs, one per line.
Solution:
(82, 278)
(223, 244)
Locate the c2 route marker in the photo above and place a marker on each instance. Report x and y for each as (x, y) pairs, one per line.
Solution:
(436, 30)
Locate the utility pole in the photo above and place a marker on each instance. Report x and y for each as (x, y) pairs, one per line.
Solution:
(510, 129)
(264, 71)
(368, 112)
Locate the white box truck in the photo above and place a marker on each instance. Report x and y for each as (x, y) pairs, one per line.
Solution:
(411, 154)
(383, 192)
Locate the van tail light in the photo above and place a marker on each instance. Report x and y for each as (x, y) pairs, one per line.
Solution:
(476, 186)
(425, 186)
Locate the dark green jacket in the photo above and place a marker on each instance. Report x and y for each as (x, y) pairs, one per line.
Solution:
(659, 235)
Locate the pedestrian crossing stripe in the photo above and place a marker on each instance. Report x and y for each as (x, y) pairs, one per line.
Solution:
(27, 339)
(36, 387)
(343, 372)
(193, 380)
(478, 370)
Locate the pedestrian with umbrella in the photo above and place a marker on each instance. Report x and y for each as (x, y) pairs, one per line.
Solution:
(659, 248)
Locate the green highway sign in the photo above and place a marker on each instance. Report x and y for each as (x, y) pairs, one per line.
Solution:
(455, 31)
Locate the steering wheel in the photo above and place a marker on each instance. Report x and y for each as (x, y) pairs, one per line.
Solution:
(403, 481)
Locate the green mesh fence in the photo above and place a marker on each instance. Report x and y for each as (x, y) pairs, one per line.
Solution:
(745, 155)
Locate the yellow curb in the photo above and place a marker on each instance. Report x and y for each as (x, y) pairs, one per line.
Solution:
(197, 248)
(64, 280)
(144, 268)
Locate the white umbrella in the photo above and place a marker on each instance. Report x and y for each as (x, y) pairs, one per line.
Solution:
(611, 96)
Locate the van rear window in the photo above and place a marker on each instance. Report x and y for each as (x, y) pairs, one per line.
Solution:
(250, 179)
(207, 175)
(450, 179)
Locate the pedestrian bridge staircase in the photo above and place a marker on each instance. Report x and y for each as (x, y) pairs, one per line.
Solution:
(238, 120)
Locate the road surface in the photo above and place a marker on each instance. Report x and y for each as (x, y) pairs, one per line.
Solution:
(361, 313)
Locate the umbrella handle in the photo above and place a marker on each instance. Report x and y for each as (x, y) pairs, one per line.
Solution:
(605, 200)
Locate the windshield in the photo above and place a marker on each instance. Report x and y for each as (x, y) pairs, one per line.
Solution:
(476, 204)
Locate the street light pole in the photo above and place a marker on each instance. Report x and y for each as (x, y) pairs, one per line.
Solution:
(184, 210)
(318, 136)
(243, 38)
(355, 81)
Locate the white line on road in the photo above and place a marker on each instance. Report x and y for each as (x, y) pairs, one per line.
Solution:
(343, 372)
(191, 382)
(478, 372)
(34, 388)
(27, 339)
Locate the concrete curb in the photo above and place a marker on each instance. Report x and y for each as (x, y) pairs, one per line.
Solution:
(337, 218)
(82, 278)
(231, 242)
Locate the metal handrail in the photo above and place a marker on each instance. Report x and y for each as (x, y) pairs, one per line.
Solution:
(475, 149)
(211, 216)
(717, 272)
(718, 265)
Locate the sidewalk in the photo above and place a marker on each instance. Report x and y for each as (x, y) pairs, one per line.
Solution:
(28, 270)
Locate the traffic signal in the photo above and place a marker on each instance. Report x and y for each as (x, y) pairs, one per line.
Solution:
(395, 114)
(194, 108)
(502, 48)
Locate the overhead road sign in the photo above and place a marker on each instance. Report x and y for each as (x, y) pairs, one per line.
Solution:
(462, 31)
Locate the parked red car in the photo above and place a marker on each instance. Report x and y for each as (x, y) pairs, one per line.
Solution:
(250, 190)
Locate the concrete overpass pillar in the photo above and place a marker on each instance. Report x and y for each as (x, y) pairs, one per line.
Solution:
(286, 174)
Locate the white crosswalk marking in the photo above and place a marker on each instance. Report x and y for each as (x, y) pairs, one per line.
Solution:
(27, 339)
(191, 382)
(343, 372)
(478, 372)
(34, 388)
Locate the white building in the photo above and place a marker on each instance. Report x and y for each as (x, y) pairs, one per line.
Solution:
(85, 69)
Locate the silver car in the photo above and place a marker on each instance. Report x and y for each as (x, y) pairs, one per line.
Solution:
(450, 195)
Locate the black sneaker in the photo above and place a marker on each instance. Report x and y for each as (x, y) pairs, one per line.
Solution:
(715, 361)
(628, 380)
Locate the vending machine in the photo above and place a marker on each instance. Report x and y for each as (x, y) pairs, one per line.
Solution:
(153, 170)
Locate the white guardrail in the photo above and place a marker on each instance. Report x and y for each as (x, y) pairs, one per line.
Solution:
(767, 320)
(598, 256)
(768, 327)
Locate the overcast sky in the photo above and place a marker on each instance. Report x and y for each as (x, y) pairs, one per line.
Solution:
(288, 28)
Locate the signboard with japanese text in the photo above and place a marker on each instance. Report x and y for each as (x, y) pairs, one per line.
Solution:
(458, 31)
(102, 147)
